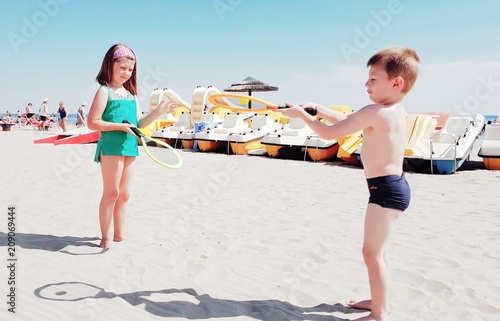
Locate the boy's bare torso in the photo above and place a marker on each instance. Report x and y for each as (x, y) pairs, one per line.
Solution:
(384, 141)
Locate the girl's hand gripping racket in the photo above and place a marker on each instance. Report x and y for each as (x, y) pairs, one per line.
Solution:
(160, 156)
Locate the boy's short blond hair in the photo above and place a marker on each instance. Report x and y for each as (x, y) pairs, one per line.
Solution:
(398, 61)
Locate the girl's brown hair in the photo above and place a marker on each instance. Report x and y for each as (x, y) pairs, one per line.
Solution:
(398, 61)
(106, 72)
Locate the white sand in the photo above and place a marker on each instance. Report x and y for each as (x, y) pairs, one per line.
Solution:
(238, 238)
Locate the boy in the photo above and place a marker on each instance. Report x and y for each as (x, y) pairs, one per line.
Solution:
(392, 73)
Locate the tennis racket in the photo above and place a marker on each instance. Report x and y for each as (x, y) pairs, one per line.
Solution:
(159, 155)
(213, 100)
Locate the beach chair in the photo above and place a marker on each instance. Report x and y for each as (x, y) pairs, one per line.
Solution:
(454, 129)
(420, 128)
(36, 124)
(490, 148)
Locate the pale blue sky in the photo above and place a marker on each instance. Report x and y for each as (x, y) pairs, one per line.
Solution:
(313, 50)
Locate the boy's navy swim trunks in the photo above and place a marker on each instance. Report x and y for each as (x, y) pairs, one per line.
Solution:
(390, 191)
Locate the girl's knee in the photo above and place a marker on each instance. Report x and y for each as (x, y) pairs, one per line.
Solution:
(124, 196)
(111, 195)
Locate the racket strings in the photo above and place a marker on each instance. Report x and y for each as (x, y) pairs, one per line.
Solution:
(163, 154)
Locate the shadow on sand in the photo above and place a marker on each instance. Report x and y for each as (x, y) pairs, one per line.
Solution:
(53, 243)
(195, 306)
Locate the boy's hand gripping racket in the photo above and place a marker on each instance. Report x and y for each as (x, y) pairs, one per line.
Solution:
(213, 99)
(161, 157)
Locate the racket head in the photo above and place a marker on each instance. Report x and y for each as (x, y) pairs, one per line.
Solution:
(213, 100)
(169, 159)
(155, 156)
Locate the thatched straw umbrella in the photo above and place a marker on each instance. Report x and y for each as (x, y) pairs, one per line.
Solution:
(250, 84)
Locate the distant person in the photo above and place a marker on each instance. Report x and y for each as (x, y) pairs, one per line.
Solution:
(43, 114)
(28, 115)
(63, 115)
(28, 112)
(8, 117)
(117, 147)
(81, 119)
(392, 73)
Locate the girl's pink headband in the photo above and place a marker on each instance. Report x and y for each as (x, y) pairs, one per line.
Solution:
(123, 52)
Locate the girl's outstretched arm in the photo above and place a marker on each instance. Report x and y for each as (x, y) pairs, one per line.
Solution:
(162, 108)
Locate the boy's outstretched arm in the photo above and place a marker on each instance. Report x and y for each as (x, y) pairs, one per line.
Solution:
(333, 116)
(341, 128)
(328, 114)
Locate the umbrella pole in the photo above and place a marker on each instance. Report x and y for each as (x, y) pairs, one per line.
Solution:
(249, 101)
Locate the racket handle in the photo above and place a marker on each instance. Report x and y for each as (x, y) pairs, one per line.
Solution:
(311, 111)
(136, 131)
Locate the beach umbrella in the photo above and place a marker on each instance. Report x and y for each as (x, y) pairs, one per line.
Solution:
(249, 85)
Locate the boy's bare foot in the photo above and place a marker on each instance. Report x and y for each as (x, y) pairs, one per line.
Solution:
(117, 239)
(361, 305)
(370, 317)
(105, 244)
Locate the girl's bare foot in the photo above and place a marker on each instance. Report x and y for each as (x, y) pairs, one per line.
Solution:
(361, 305)
(117, 239)
(105, 244)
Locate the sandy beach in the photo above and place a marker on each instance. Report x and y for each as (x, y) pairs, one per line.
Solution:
(231, 237)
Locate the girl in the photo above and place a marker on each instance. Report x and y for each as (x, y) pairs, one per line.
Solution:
(117, 147)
